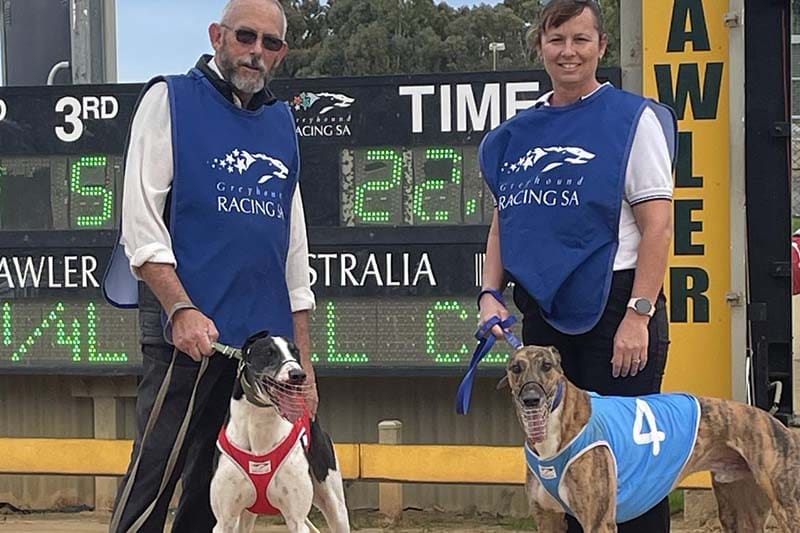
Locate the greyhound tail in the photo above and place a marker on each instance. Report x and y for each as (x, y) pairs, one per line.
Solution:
(311, 526)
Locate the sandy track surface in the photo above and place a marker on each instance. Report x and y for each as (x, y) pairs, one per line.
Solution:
(366, 522)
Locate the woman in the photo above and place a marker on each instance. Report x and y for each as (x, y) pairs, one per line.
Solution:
(583, 223)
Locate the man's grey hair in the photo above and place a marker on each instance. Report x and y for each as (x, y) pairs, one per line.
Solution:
(226, 13)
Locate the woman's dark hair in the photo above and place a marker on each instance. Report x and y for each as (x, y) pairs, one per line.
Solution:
(557, 12)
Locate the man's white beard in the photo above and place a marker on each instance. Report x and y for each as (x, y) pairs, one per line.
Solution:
(248, 85)
(244, 84)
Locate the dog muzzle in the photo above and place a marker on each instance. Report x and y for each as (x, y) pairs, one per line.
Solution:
(534, 418)
(288, 398)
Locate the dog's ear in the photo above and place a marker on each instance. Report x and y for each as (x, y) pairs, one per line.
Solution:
(253, 338)
(503, 382)
(556, 354)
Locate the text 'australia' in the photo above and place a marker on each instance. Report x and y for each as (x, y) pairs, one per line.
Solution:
(382, 270)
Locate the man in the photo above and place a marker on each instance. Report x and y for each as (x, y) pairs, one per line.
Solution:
(213, 224)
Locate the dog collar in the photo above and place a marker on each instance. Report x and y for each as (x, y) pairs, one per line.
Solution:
(558, 396)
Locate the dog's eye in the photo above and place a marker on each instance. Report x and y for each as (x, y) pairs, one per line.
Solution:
(547, 366)
(516, 368)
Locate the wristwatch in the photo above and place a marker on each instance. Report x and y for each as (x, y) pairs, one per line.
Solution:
(642, 306)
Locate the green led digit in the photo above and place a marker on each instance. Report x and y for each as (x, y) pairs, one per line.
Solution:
(334, 356)
(7, 324)
(73, 340)
(431, 323)
(37, 332)
(373, 186)
(91, 341)
(91, 190)
(436, 184)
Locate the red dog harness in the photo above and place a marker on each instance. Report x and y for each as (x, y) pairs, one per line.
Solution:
(261, 468)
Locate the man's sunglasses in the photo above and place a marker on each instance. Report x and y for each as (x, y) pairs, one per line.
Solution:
(248, 37)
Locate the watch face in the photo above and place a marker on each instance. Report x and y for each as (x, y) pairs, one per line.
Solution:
(642, 306)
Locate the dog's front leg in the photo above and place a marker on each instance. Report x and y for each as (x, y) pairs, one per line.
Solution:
(546, 510)
(297, 526)
(591, 490)
(231, 493)
(291, 490)
(549, 521)
(329, 499)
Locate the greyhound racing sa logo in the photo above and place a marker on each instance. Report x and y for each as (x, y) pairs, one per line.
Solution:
(247, 181)
(529, 180)
(322, 114)
(548, 158)
(240, 161)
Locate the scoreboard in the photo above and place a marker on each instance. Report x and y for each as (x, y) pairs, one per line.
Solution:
(396, 208)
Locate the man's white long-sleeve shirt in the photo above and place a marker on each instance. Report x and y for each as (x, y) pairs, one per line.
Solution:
(148, 179)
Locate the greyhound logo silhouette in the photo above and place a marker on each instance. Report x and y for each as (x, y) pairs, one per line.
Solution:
(545, 159)
(325, 101)
(242, 161)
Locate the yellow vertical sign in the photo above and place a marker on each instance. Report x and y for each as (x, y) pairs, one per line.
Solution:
(685, 65)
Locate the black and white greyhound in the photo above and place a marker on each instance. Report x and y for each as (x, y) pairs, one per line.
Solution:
(273, 459)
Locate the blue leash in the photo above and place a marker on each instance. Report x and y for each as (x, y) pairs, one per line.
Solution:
(486, 340)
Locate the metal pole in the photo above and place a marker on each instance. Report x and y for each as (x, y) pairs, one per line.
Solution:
(4, 73)
(630, 34)
(738, 203)
(93, 27)
(81, 41)
(110, 40)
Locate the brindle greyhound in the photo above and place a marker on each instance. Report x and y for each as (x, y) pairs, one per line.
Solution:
(754, 460)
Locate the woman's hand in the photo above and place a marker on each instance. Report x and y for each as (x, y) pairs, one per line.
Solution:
(489, 307)
(630, 345)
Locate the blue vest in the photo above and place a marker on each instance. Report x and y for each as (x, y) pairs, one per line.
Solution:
(558, 176)
(648, 458)
(235, 173)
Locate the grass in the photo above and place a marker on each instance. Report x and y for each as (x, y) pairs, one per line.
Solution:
(522, 523)
(676, 501)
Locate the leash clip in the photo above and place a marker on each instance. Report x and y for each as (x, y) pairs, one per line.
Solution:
(228, 351)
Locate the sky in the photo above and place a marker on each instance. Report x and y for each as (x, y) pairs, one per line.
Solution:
(171, 42)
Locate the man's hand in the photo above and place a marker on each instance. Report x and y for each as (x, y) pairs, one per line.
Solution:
(630, 345)
(311, 395)
(193, 332)
(302, 339)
